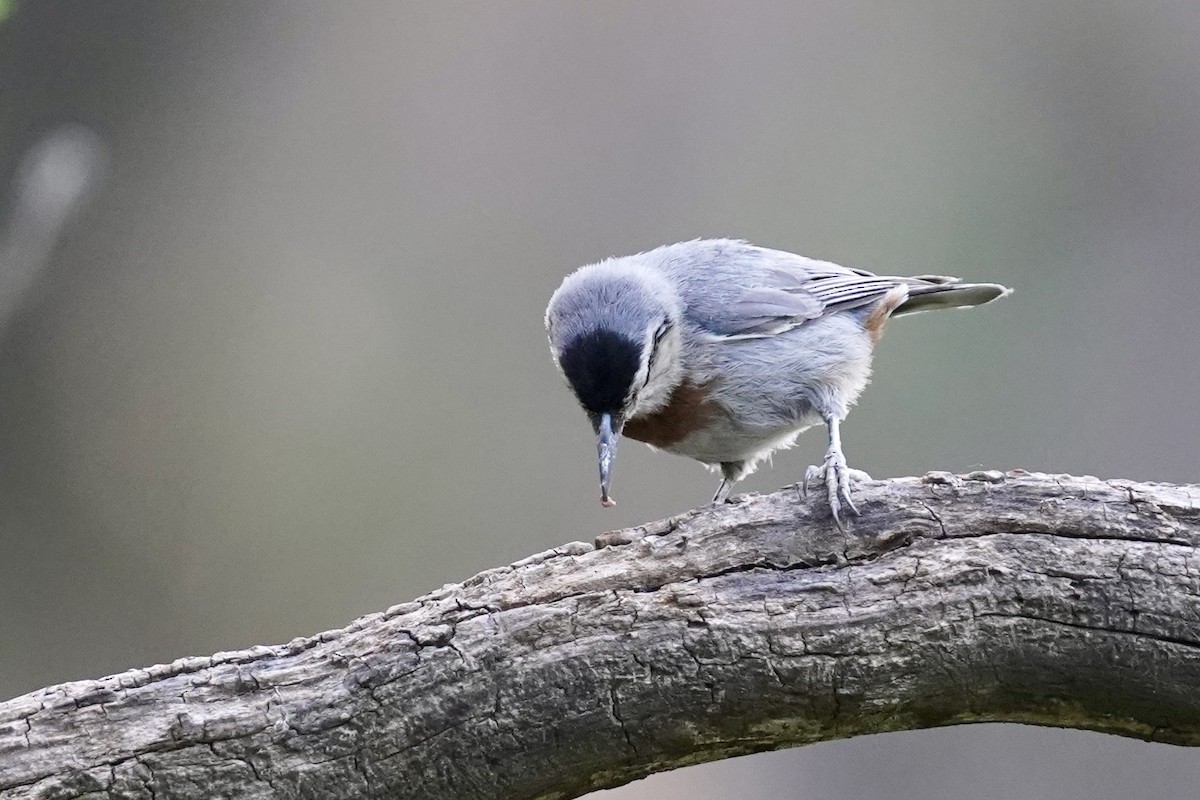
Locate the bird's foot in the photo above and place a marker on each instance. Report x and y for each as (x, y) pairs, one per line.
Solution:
(837, 476)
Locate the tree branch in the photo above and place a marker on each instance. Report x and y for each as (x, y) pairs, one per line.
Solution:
(1050, 600)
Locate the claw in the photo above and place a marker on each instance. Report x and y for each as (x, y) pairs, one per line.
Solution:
(833, 486)
(810, 475)
(843, 488)
(837, 476)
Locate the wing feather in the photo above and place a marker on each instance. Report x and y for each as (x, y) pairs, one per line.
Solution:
(792, 290)
(765, 311)
(734, 290)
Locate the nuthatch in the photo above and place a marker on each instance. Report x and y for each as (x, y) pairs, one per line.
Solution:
(725, 352)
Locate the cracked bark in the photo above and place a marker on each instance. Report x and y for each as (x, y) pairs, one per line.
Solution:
(1050, 600)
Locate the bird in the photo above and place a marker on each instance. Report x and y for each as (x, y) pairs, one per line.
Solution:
(724, 352)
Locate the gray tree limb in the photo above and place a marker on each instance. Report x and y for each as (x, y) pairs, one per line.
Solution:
(1051, 600)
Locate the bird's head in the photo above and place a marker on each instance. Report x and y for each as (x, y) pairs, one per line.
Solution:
(615, 332)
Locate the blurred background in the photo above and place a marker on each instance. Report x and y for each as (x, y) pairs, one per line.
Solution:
(272, 277)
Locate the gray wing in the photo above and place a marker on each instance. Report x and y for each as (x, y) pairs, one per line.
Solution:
(753, 292)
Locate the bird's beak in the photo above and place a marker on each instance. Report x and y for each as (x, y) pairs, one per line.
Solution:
(607, 451)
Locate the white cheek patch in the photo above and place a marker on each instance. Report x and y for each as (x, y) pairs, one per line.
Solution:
(668, 352)
(641, 384)
(654, 378)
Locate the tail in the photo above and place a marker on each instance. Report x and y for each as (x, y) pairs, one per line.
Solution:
(933, 292)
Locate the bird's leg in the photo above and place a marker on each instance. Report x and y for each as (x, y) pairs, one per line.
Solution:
(836, 473)
(732, 471)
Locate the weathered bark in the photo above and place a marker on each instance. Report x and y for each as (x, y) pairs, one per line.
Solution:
(1044, 599)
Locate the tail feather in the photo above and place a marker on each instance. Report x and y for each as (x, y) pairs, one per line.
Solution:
(937, 291)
